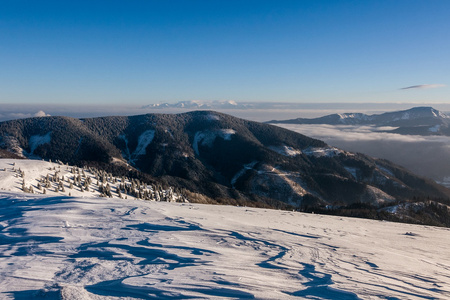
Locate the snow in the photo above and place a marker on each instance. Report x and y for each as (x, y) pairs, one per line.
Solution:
(59, 247)
(445, 181)
(212, 117)
(375, 195)
(286, 150)
(352, 171)
(435, 128)
(207, 138)
(242, 172)
(226, 133)
(385, 171)
(37, 140)
(11, 143)
(144, 140)
(323, 152)
(16, 172)
(118, 249)
(444, 116)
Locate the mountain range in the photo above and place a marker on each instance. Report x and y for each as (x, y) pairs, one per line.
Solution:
(219, 158)
(417, 120)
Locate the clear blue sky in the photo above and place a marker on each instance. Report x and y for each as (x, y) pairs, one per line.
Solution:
(142, 52)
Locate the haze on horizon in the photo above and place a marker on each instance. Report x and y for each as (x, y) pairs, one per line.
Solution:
(144, 52)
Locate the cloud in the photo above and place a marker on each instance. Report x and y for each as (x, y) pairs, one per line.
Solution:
(423, 86)
(421, 154)
(41, 114)
(21, 115)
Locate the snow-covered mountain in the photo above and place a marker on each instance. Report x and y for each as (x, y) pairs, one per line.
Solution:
(59, 247)
(199, 104)
(218, 158)
(417, 120)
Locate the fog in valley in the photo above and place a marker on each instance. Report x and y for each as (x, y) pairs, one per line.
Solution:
(424, 155)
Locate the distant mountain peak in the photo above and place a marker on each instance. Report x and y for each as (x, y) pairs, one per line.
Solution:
(417, 116)
(199, 104)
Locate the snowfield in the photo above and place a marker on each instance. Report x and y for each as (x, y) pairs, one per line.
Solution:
(59, 247)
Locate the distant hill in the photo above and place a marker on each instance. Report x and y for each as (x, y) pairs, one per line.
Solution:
(226, 159)
(417, 120)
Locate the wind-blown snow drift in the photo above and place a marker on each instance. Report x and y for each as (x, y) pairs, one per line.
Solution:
(102, 248)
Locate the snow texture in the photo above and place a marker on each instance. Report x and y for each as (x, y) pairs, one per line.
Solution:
(58, 247)
(93, 248)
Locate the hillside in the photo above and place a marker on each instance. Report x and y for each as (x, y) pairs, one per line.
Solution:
(229, 160)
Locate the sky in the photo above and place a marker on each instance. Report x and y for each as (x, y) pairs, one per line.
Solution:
(144, 52)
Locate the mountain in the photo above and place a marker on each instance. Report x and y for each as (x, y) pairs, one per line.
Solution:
(198, 104)
(219, 158)
(417, 120)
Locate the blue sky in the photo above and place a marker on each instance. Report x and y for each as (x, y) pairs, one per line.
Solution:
(143, 52)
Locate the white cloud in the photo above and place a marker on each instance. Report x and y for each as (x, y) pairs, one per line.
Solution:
(423, 86)
(41, 114)
(22, 115)
(421, 154)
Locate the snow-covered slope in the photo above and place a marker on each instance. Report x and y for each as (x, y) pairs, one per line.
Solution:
(58, 247)
(57, 179)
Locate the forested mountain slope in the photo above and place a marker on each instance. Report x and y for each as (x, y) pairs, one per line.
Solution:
(227, 159)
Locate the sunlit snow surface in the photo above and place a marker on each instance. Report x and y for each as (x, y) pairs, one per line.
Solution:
(98, 248)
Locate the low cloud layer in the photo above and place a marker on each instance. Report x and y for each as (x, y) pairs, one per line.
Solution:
(423, 86)
(21, 115)
(422, 155)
